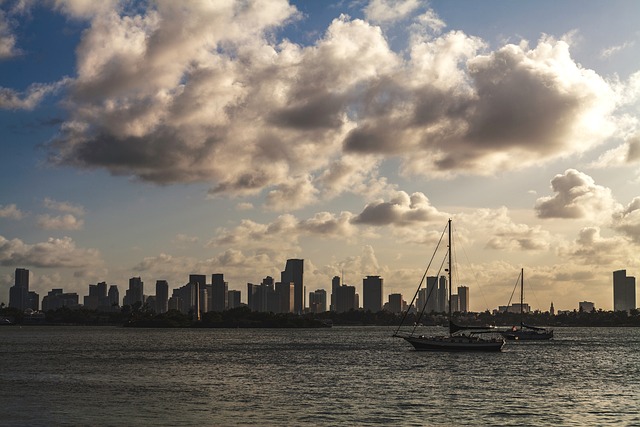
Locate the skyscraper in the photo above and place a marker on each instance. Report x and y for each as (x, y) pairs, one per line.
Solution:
(335, 285)
(294, 272)
(219, 292)
(372, 293)
(162, 296)
(19, 295)
(463, 298)
(624, 291)
(318, 301)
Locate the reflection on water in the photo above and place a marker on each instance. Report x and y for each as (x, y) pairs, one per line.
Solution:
(337, 376)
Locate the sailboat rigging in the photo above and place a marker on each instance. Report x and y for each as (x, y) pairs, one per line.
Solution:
(460, 338)
(526, 332)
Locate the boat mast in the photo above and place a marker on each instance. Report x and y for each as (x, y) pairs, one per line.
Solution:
(450, 283)
(521, 294)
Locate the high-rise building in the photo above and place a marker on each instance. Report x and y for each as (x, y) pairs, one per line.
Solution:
(624, 291)
(294, 272)
(432, 295)
(19, 293)
(443, 295)
(57, 298)
(346, 299)
(335, 285)
(318, 301)
(233, 299)
(219, 292)
(114, 297)
(463, 298)
(372, 293)
(395, 303)
(286, 296)
(162, 296)
(455, 303)
(135, 293)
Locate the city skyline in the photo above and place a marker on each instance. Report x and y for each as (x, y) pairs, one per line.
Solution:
(198, 296)
(150, 139)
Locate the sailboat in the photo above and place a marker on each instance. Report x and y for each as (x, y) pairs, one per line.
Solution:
(460, 338)
(526, 332)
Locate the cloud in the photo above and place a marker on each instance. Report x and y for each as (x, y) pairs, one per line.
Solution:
(8, 48)
(403, 210)
(54, 253)
(592, 249)
(627, 221)
(577, 196)
(205, 92)
(64, 207)
(35, 93)
(390, 10)
(10, 211)
(60, 222)
(613, 50)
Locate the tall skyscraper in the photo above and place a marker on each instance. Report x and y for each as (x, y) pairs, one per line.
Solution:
(294, 272)
(372, 293)
(432, 295)
(624, 291)
(135, 293)
(219, 292)
(335, 285)
(114, 297)
(19, 295)
(463, 298)
(443, 295)
(162, 296)
(346, 299)
(233, 299)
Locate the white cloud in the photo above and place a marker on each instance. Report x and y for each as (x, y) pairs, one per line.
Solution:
(390, 10)
(402, 210)
(53, 253)
(613, 50)
(577, 196)
(202, 92)
(10, 211)
(66, 207)
(60, 222)
(35, 93)
(627, 221)
(8, 48)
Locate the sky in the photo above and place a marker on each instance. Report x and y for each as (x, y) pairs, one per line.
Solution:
(160, 139)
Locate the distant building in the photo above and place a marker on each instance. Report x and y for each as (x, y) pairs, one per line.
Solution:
(455, 303)
(335, 285)
(318, 301)
(372, 293)
(347, 299)
(162, 296)
(463, 298)
(19, 295)
(114, 297)
(624, 291)
(294, 273)
(57, 298)
(514, 308)
(586, 306)
(442, 296)
(233, 299)
(135, 293)
(395, 303)
(219, 292)
(552, 310)
(286, 297)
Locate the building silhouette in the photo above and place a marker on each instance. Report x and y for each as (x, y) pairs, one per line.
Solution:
(463, 298)
(19, 295)
(135, 293)
(346, 299)
(219, 292)
(335, 284)
(57, 298)
(624, 291)
(586, 306)
(233, 299)
(294, 273)
(162, 296)
(395, 303)
(114, 297)
(372, 293)
(318, 301)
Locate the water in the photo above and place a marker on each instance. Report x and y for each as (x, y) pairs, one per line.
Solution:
(338, 376)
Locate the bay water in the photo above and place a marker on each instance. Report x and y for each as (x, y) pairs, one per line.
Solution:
(111, 376)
